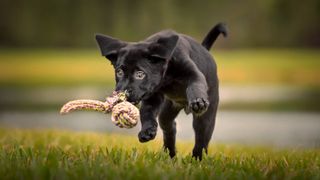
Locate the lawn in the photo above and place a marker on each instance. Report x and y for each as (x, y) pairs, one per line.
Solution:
(53, 154)
(88, 67)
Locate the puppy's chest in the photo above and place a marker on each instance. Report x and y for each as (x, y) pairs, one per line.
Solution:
(175, 92)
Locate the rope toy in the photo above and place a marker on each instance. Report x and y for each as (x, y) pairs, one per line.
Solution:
(123, 113)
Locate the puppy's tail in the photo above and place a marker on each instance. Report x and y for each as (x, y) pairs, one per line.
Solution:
(213, 34)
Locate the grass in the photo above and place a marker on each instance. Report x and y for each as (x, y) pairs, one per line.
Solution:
(74, 67)
(263, 66)
(49, 154)
(53, 67)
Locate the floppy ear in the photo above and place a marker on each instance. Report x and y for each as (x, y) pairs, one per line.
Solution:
(163, 48)
(109, 46)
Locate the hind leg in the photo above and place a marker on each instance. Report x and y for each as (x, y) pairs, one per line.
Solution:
(203, 127)
(167, 116)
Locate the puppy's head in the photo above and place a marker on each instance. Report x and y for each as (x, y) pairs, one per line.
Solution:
(139, 67)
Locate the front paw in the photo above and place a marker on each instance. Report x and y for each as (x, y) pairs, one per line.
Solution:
(198, 105)
(147, 134)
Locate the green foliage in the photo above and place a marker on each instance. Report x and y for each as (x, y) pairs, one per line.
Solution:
(60, 23)
(51, 154)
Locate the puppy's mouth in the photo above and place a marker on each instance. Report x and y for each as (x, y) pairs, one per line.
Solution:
(136, 102)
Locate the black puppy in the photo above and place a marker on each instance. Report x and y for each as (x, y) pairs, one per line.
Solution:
(168, 72)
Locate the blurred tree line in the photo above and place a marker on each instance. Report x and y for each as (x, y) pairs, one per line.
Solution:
(72, 23)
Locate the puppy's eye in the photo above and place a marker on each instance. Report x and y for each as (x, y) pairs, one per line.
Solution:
(119, 73)
(139, 75)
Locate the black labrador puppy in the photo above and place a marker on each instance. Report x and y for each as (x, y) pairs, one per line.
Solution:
(168, 72)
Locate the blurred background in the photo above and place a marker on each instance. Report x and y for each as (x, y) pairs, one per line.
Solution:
(268, 66)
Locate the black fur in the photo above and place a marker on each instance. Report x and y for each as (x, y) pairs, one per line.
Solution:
(168, 72)
(213, 34)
